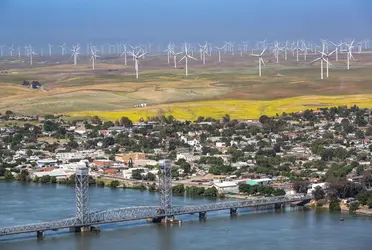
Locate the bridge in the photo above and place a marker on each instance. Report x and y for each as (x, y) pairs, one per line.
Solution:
(86, 221)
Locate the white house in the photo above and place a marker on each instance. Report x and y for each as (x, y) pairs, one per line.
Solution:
(226, 187)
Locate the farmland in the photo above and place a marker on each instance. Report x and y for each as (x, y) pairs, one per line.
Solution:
(111, 90)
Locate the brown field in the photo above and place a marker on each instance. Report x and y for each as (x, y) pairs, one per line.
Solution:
(113, 87)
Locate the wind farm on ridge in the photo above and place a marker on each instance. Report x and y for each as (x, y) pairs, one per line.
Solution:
(187, 80)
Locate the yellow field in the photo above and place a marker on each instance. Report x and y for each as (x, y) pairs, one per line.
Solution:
(238, 109)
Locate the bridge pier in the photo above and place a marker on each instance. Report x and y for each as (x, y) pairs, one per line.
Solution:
(233, 211)
(84, 229)
(202, 215)
(278, 206)
(40, 234)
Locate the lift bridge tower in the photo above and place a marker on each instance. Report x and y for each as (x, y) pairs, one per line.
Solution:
(165, 187)
(82, 200)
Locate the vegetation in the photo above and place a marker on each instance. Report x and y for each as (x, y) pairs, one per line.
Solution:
(114, 184)
(238, 109)
(260, 190)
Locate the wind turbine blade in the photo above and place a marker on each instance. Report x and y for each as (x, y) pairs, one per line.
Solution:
(183, 58)
(263, 61)
(332, 52)
(263, 51)
(192, 57)
(319, 58)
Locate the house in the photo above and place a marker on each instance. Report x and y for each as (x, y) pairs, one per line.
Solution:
(224, 187)
(130, 156)
(110, 171)
(46, 162)
(58, 173)
(103, 163)
(260, 182)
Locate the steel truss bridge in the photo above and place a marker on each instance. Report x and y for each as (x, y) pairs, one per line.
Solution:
(144, 212)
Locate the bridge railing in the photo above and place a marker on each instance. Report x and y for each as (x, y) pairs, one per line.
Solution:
(64, 223)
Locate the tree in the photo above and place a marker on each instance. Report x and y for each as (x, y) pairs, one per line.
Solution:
(24, 176)
(318, 193)
(100, 183)
(50, 126)
(108, 141)
(137, 174)
(178, 189)
(53, 180)
(114, 184)
(301, 186)
(334, 205)
(369, 202)
(263, 119)
(9, 112)
(186, 167)
(211, 192)
(126, 122)
(8, 175)
(29, 152)
(96, 120)
(150, 176)
(353, 206)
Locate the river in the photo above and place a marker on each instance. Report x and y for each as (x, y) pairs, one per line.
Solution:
(288, 229)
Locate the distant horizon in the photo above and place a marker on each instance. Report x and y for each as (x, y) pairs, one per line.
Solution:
(40, 22)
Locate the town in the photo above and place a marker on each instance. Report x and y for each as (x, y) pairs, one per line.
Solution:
(324, 152)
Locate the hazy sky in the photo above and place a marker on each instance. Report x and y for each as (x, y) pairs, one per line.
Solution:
(57, 21)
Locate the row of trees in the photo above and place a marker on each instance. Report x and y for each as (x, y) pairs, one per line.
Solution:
(194, 191)
(260, 190)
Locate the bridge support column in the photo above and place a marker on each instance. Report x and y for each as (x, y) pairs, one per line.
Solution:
(40, 234)
(202, 215)
(233, 211)
(278, 206)
(84, 229)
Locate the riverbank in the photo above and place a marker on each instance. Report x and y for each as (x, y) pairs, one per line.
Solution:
(360, 211)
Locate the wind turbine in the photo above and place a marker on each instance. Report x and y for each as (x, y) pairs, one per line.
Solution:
(219, 52)
(276, 51)
(203, 51)
(11, 49)
(93, 51)
(75, 53)
(323, 58)
(186, 57)
(175, 58)
(169, 50)
(136, 61)
(125, 54)
(296, 49)
(327, 60)
(350, 47)
(1, 49)
(50, 49)
(337, 46)
(19, 52)
(260, 60)
(63, 47)
(30, 53)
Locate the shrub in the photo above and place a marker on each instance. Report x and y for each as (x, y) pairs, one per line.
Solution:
(114, 184)
(353, 206)
(334, 205)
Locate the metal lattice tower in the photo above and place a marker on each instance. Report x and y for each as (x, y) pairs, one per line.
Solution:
(165, 185)
(82, 198)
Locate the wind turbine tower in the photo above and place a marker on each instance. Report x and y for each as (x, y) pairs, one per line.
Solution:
(260, 61)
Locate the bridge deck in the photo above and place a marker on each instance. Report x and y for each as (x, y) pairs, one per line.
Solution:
(138, 213)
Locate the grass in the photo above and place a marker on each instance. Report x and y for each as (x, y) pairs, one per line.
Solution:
(81, 92)
(239, 109)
